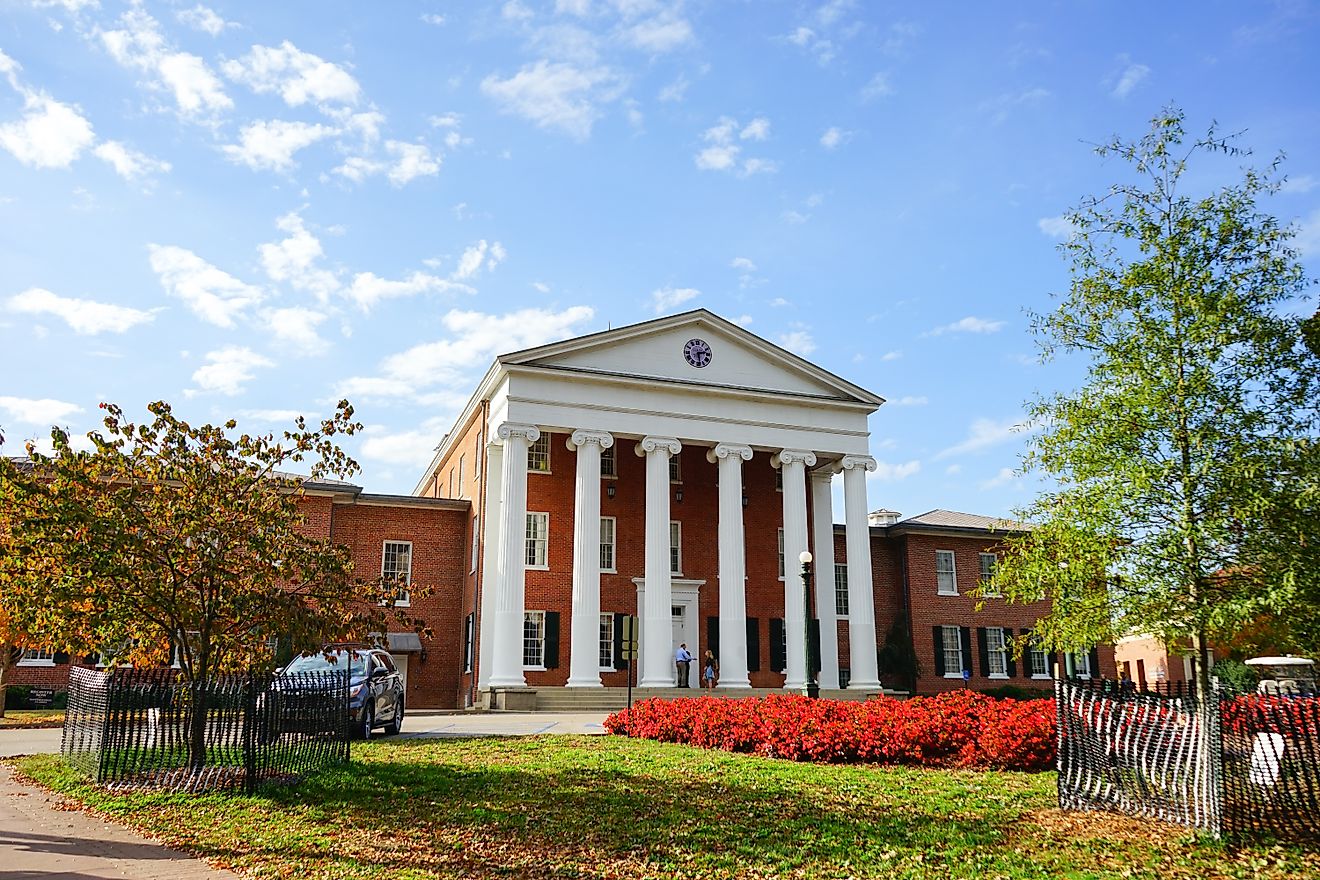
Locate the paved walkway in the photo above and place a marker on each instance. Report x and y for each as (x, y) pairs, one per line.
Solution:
(38, 839)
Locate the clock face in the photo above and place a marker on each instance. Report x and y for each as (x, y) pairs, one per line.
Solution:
(697, 352)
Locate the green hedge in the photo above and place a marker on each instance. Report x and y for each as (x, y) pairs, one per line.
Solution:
(17, 696)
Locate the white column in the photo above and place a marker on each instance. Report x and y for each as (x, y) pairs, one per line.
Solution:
(864, 674)
(507, 650)
(584, 647)
(658, 668)
(822, 532)
(490, 560)
(793, 462)
(733, 566)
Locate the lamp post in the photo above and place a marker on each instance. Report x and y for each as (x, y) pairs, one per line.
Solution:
(812, 688)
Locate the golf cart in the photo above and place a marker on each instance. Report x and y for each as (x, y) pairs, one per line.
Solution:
(1284, 676)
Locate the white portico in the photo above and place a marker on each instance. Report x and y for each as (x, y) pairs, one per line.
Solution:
(690, 381)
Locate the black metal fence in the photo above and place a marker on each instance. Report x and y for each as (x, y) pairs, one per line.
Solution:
(1224, 762)
(151, 728)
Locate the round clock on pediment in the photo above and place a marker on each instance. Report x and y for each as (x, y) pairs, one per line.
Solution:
(697, 353)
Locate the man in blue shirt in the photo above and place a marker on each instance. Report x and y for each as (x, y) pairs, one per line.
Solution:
(683, 660)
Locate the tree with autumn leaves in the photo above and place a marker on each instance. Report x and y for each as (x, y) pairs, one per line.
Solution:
(164, 537)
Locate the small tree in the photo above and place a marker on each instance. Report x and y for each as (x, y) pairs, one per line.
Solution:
(168, 537)
(1180, 462)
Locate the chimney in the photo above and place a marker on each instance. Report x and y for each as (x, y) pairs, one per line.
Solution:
(882, 517)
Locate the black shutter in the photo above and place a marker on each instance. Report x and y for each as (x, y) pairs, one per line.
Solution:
(619, 662)
(813, 645)
(1008, 654)
(713, 635)
(965, 639)
(753, 644)
(778, 660)
(983, 648)
(552, 640)
(467, 642)
(61, 657)
(938, 632)
(1095, 663)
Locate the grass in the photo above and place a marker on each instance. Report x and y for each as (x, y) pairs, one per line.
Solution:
(607, 807)
(32, 718)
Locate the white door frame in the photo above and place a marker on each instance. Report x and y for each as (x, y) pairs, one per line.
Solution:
(687, 593)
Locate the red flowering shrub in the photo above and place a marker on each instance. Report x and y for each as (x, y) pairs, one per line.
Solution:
(957, 729)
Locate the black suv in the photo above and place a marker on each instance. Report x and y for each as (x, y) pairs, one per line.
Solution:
(375, 689)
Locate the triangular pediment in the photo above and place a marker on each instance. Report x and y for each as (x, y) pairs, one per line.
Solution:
(659, 350)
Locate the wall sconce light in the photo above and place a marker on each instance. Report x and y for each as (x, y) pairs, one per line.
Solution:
(678, 494)
(609, 490)
(744, 501)
(422, 656)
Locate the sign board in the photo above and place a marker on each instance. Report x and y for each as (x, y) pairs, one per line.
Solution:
(967, 675)
(629, 637)
(41, 698)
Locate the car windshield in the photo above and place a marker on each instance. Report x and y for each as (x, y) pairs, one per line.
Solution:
(330, 661)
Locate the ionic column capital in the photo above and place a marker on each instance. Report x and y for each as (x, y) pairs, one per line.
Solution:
(826, 472)
(582, 437)
(851, 462)
(649, 445)
(530, 433)
(727, 450)
(793, 456)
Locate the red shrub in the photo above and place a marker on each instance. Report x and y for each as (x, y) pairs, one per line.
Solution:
(957, 729)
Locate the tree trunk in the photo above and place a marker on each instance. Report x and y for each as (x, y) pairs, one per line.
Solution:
(197, 725)
(6, 652)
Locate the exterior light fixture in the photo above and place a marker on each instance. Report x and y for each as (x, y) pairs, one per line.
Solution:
(678, 494)
(609, 490)
(812, 688)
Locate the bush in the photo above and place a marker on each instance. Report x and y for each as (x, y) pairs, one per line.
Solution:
(1236, 676)
(1016, 692)
(16, 696)
(957, 729)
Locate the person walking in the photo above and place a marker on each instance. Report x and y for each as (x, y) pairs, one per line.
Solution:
(683, 660)
(710, 668)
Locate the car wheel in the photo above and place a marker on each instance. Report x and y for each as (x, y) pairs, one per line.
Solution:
(396, 723)
(368, 722)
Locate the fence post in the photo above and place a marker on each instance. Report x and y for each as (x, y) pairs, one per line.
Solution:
(1059, 735)
(1215, 757)
(103, 750)
(249, 744)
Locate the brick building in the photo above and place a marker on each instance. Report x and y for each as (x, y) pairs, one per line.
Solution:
(673, 470)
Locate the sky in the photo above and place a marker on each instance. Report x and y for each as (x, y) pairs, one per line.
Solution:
(253, 210)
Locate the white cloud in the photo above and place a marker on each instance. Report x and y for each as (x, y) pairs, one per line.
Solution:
(717, 158)
(433, 18)
(580, 8)
(204, 19)
(70, 6)
(555, 95)
(129, 163)
(834, 137)
(270, 144)
(878, 86)
(758, 166)
(891, 355)
(296, 75)
(674, 92)
(212, 294)
(1000, 107)
(799, 341)
(294, 259)
(49, 134)
(514, 10)
(659, 34)
(227, 369)
(296, 327)
(743, 264)
(139, 43)
(269, 415)
(411, 162)
(541, 286)
(1131, 77)
(1003, 478)
(44, 411)
(969, 324)
(953, 470)
(470, 263)
(368, 289)
(1303, 183)
(1056, 227)
(1307, 240)
(407, 448)
(473, 340)
(756, 130)
(790, 215)
(84, 316)
(359, 168)
(779, 302)
(909, 400)
(983, 434)
(892, 473)
(669, 298)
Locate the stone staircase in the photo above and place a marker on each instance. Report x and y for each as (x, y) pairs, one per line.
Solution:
(609, 699)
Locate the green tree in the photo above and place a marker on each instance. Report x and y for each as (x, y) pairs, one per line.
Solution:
(1179, 464)
(164, 536)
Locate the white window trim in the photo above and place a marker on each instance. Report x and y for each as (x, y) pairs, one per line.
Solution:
(989, 589)
(541, 666)
(606, 616)
(962, 661)
(841, 594)
(546, 566)
(1002, 650)
(783, 554)
(614, 554)
(1080, 657)
(675, 470)
(549, 459)
(939, 591)
(406, 601)
(25, 660)
(675, 571)
(476, 538)
(611, 456)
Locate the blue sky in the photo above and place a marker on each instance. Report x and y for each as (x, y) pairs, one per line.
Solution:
(251, 210)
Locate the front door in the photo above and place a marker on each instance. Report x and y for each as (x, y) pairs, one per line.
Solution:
(401, 664)
(680, 637)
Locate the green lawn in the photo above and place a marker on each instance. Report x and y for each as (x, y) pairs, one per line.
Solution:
(609, 807)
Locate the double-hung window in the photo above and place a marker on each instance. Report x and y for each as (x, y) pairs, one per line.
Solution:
(607, 545)
(841, 589)
(37, 657)
(1039, 660)
(533, 639)
(538, 539)
(476, 537)
(607, 642)
(1082, 664)
(953, 658)
(988, 587)
(608, 463)
(675, 547)
(396, 569)
(538, 455)
(675, 470)
(946, 575)
(996, 651)
(781, 554)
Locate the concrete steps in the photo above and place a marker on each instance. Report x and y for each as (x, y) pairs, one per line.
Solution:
(612, 699)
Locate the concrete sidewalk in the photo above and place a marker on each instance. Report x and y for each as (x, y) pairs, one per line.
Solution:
(38, 839)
